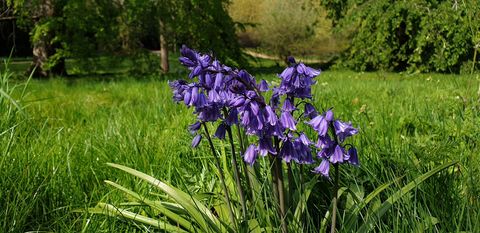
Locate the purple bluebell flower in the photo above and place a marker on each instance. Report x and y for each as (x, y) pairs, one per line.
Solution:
(323, 168)
(353, 156)
(288, 105)
(263, 86)
(220, 132)
(288, 152)
(344, 130)
(196, 140)
(310, 111)
(337, 156)
(265, 146)
(303, 151)
(232, 117)
(319, 124)
(287, 121)
(193, 128)
(270, 115)
(297, 80)
(250, 155)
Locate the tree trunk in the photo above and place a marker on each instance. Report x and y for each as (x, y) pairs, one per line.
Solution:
(41, 46)
(40, 56)
(163, 49)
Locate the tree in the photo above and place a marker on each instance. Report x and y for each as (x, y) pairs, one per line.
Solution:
(84, 28)
(415, 35)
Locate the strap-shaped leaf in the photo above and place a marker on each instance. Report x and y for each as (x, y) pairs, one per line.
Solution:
(113, 211)
(198, 211)
(380, 211)
(156, 205)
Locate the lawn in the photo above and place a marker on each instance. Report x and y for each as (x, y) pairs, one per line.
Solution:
(55, 150)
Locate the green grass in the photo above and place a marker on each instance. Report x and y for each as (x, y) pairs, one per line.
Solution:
(54, 156)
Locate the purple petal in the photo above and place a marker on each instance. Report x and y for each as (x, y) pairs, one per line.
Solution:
(352, 152)
(220, 133)
(337, 156)
(196, 140)
(323, 168)
(287, 121)
(250, 155)
(193, 128)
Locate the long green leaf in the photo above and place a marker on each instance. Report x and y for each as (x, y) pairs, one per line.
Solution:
(156, 205)
(113, 211)
(14, 102)
(302, 203)
(203, 216)
(350, 222)
(380, 211)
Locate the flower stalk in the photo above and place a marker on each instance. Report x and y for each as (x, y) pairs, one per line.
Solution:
(222, 178)
(236, 173)
(335, 199)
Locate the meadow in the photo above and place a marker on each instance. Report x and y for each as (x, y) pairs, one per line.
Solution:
(57, 135)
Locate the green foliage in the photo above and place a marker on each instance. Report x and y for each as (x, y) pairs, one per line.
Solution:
(417, 35)
(53, 157)
(281, 28)
(85, 29)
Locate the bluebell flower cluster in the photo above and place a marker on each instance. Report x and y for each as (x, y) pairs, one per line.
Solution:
(219, 93)
(330, 151)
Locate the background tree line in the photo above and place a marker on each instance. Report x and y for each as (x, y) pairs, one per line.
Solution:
(61, 29)
(367, 35)
(363, 35)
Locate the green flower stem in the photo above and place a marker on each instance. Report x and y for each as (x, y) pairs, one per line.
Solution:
(222, 178)
(335, 199)
(291, 186)
(335, 187)
(281, 191)
(236, 173)
(246, 168)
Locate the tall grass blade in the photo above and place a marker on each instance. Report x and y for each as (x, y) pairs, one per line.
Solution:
(113, 211)
(381, 210)
(155, 205)
(195, 208)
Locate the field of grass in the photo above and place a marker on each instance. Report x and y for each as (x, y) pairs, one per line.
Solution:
(54, 150)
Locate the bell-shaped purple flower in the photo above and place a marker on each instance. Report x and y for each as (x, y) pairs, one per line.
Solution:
(344, 130)
(196, 140)
(232, 117)
(288, 105)
(310, 111)
(319, 124)
(265, 146)
(220, 132)
(250, 155)
(353, 156)
(323, 168)
(263, 86)
(337, 156)
(193, 128)
(287, 121)
(288, 152)
(270, 115)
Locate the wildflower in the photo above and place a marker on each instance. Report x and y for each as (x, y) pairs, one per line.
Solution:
(220, 133)
(337, 156)
(353, 156)
(310, 111)
(250, 155)
(265, 146)
(323, 168)
(193, 128)
(297, 80)
(196, 140)
(287, 121)
(344, 130)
